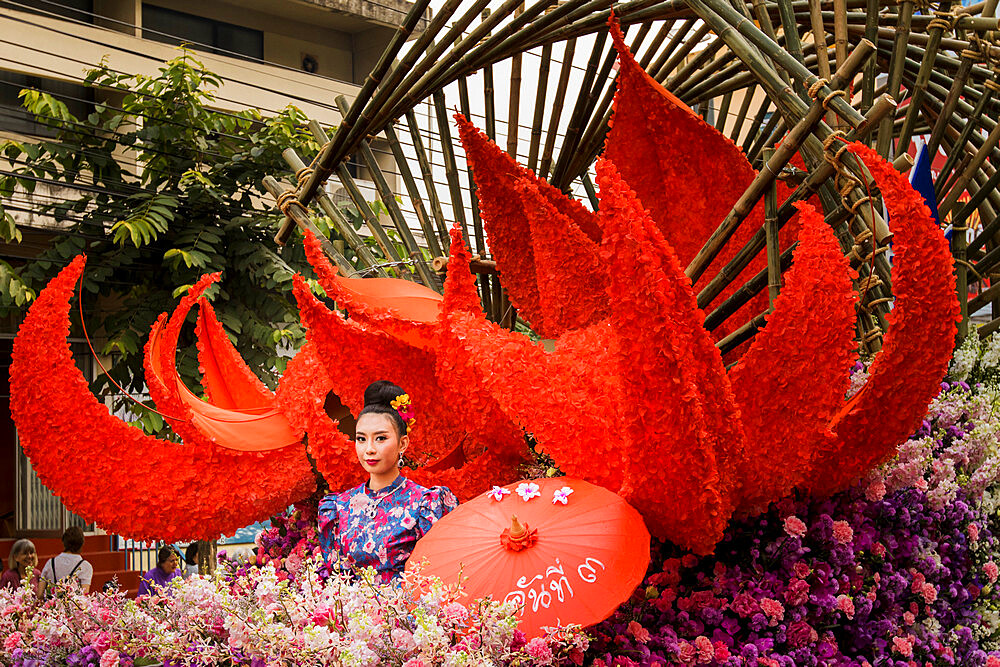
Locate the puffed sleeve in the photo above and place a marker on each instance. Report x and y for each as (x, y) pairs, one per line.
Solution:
(434, 504)
(327, 520)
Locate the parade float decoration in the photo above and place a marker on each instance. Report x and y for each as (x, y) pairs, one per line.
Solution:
(634, 395)
(632, 359)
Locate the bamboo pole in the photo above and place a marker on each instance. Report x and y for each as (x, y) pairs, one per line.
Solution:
(514, 105)
(583, 107)
(773, 130)
(743, 334)
(450, 167)
(819, 39)
(332, 151)
(808, 187)
(984, 298)
(771, 235)
(427, 175)
(840, 30)
(956, 155)
(741, 115)
(406, 78)
(477, 223)
(772, 166)
(557, 108)
(536, 123)
(747, 291)
(755, 128)
(919, 89)
(412, 191)
(343, 227)
(959, 241)
(868, 75)
(388, 198)
(371, 220)
(300, 215)
(660, 64)
(884, 142)
(952, 197)
(720, 121)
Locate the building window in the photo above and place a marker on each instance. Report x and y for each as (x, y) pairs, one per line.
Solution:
(172, 27)
(79, 101)
(77, 10)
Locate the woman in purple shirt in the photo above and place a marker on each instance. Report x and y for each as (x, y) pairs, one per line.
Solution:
(23, 558)
(159, 577)
(378, 523)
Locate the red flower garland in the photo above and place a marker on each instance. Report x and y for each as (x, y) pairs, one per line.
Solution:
(570, 276)
(566, 399)
(506, 223)
(132, 484)
(681, 405)
(906, 374)
(664, 151)
(794, 376)
(301, 396)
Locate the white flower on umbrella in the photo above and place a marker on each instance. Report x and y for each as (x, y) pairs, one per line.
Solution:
(497, 493)
(527, 491)
(561, 495)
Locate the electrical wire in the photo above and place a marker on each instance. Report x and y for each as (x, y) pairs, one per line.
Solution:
(146, 56)
(216, 49)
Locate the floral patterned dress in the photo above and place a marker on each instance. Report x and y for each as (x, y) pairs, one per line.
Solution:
(365, 528)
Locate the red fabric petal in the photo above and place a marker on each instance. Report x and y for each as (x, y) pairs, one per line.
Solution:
(198, 422)
(400, 308)
(505, 221)
(680, 410)
(570, 276)
(132, 484)
(906, 374)
(460, 295)
(228, 381)
(793, 378)
(301, 396)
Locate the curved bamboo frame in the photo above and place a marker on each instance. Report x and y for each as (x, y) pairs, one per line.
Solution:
(769, 70)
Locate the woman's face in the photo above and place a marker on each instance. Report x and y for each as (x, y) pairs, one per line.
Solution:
(171, 564)
(28, 559)
(377, 443)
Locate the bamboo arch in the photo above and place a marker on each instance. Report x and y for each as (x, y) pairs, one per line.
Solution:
(778, 77)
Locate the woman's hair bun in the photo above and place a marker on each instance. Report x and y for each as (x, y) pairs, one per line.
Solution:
(382, 392)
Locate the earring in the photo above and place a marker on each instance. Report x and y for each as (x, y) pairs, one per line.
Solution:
(400, 462)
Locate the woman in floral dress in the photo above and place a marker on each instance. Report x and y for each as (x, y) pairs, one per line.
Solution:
(377, 524)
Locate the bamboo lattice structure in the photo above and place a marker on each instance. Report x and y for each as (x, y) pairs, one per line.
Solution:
(778, 77)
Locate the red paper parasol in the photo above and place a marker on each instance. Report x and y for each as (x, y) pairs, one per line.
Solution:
(574, 552)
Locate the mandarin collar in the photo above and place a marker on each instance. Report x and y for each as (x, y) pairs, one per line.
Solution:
(396, 483)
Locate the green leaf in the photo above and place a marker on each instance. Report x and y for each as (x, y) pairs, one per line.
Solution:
(12, 288)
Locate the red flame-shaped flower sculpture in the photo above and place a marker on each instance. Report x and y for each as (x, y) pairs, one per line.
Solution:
(634, 394)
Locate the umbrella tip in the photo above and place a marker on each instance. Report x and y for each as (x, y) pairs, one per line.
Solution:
(517, 529)
(519, 536)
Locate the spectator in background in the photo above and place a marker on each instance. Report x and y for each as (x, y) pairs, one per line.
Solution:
(167, 561)
(191, 559)
(68, 564)
(23, 558)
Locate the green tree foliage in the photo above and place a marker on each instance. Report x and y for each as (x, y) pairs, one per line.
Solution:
(164, 189)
